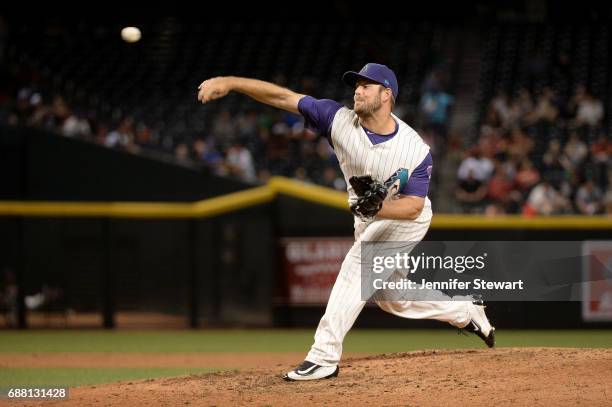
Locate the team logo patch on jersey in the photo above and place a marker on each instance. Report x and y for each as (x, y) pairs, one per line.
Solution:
(397, 181)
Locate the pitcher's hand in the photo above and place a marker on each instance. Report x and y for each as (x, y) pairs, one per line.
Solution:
(213, 88)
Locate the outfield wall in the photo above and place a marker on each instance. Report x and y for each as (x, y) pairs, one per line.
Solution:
(79, 224)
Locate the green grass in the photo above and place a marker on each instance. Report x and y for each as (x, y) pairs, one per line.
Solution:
(375, 341)
(72, 377)
(372, 341)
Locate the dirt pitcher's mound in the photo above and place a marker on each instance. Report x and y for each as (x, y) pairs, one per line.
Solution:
(506, 376)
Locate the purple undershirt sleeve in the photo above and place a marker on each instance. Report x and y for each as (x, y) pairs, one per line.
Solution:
(319, 114)
(418, 183)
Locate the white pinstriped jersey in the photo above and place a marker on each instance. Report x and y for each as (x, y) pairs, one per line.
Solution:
(362, 152)
(359, 156)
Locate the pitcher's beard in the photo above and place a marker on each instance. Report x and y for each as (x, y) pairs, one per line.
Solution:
(367, 109)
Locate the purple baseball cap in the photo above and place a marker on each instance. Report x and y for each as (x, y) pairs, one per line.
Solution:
(378, 73)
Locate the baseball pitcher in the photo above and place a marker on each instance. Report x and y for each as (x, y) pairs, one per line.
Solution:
(373, 146)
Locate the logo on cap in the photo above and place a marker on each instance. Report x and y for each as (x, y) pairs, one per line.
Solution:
(374, 72)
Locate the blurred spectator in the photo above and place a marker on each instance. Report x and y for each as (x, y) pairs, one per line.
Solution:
(40, 112)
(552, 163)
(527, 175)
(519, 146)
(23, 109)
(300, 175)
(500, 184)
(501, 104)
(475, 166)
(435, 104)
(520, 106)
(589, 110)
(514, 202)
(601, 150)
(205, 153)
(122, 136)
(494, 209)
(331, 179)
(76, 125)
(575, 151)
(546, 200)
(181, 152)
(59, 112)
(101, 134)
(545, 110)
(470, 191)
(240, 163)
(491, 144)
(589, 199)
(575, 100)
(491, 122)
(144, 135)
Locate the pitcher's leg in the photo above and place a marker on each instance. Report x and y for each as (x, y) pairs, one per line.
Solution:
(467, 312)
(345, 301)
(417, 304)
(343, 307)
(455, 313)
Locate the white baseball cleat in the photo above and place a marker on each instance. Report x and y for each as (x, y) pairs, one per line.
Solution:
(311, 371)
(479, 323)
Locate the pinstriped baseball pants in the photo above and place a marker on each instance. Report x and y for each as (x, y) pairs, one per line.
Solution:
(345, 301)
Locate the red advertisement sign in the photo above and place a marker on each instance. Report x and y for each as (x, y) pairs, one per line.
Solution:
(597, 289)
(310, 266)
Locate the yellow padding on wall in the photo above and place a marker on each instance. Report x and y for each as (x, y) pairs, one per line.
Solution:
(309, 192)
(444, 221)
(206, 208)
(279, 185)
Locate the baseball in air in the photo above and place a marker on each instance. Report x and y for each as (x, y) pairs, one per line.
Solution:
(130, 34)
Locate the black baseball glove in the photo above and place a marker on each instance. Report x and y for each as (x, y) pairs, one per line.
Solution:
(370, 193)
